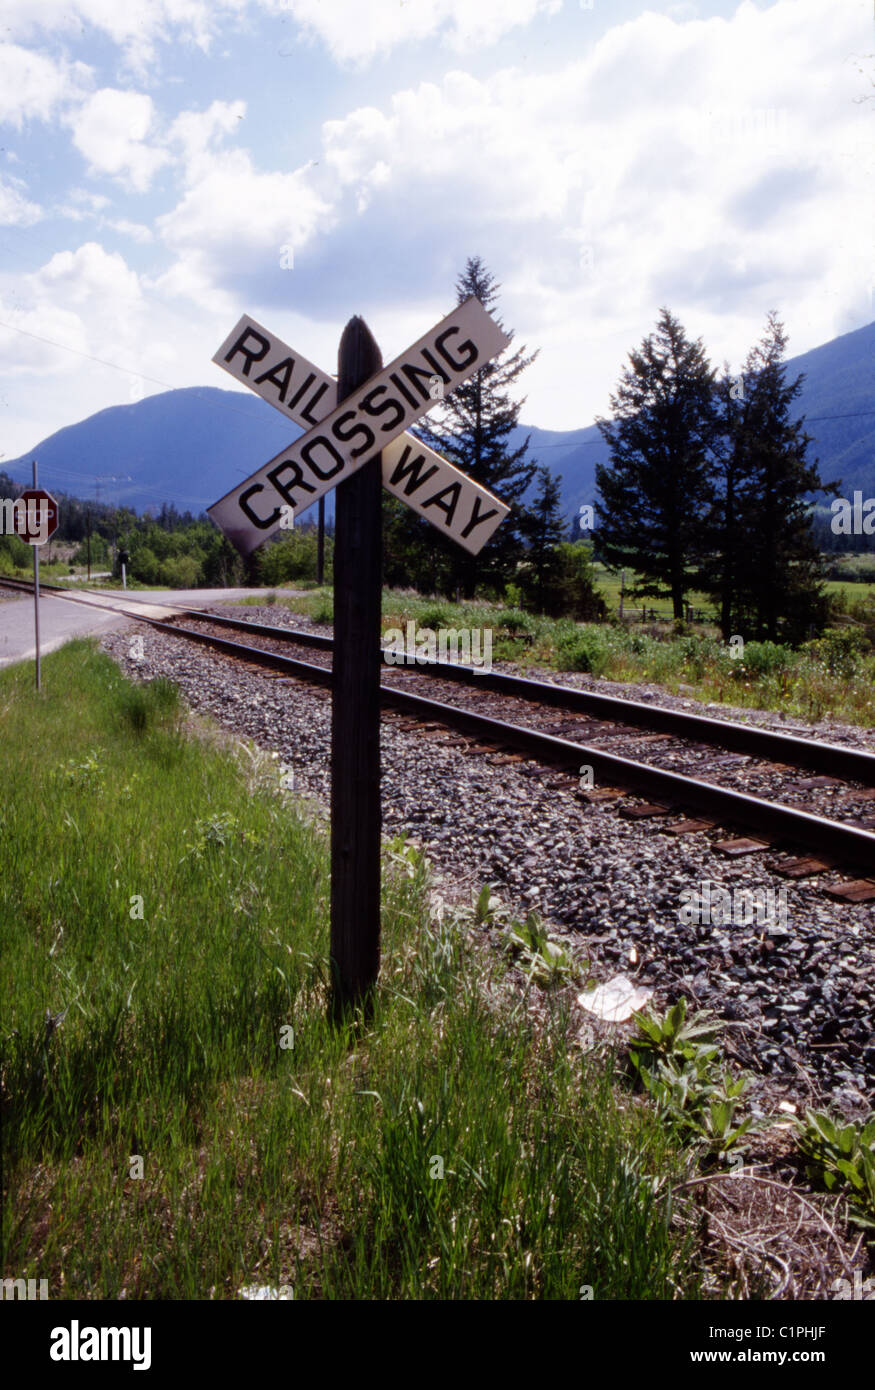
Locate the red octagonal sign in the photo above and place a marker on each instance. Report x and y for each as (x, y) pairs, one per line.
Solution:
(36, 516)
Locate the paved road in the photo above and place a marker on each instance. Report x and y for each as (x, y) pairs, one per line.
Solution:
(61, 619)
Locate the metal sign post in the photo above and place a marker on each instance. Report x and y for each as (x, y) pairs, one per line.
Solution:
(36, 521)
(35, 549)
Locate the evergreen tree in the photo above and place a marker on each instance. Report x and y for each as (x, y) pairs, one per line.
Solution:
(655, 494)
(572, 592)
(471, 429)
(415, 555)
(733, 478)
(543, 528)
(769, 573)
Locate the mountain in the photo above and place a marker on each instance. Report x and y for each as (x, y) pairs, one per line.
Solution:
(191, 446)
(188, 447)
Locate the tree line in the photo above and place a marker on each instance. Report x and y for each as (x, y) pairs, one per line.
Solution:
(708, 485)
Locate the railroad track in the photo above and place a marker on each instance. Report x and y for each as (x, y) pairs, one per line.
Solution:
(832, 842)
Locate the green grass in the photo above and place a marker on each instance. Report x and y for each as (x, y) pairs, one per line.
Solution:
(851, 592)
(608, 583)
(163, 910)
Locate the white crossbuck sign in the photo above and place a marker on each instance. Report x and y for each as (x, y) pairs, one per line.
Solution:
(374, 417)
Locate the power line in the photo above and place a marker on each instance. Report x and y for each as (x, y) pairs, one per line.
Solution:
(851, 415)
(139, 487)
(156, 381)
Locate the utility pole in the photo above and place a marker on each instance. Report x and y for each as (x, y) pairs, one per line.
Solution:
(320, 545)
(98, 479)
(35, 549)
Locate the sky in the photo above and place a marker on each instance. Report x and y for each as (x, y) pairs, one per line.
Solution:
(168, 165)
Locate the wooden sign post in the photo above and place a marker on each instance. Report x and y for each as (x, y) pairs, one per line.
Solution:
(357, 441)
(355, 704)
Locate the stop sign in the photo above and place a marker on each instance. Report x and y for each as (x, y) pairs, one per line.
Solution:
(36, 520)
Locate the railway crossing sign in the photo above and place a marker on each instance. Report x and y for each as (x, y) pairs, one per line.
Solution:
(36, 516)
(356, 437)
(341, 438)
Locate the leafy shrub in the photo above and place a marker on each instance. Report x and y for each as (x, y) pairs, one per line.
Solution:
(512, 620)
(322, 610)
(585, 650)
(513, 595)
(842, 1158)
(294, 557)
(696, 653)
(99, 550)
(180, 572)
(144, 565)
(676, 1062)
(434, 615)
(567, 583)
(14, 553)
(839, 650)
(763, 659)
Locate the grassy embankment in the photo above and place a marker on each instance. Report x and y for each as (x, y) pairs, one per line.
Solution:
(159, 1036)
(834, 675)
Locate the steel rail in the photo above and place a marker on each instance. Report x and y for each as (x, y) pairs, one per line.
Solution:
(848, 843)
(830, 758)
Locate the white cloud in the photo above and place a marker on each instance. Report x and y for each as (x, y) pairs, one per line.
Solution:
(85, 276)
(110, 130)
(16, 209)
(84, 336)
(86, 301)
(199, 132)
(82, 204)
(26, 346)
(236, 218)
(722, 167)
(137, 231)
(33, 86)
(714, 165)
(136, 26)
(356, 31)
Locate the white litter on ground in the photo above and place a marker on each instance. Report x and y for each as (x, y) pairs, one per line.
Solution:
(261, 1291)
(615, 1001)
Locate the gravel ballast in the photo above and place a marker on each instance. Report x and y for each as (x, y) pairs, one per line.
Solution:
(800, 993)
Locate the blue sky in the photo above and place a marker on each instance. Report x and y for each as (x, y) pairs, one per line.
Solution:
(166, 165)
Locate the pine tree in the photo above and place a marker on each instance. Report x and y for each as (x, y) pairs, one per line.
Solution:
(543, 528)
(471, 429)
(733, 478)
(775, 590)
(655, 494)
